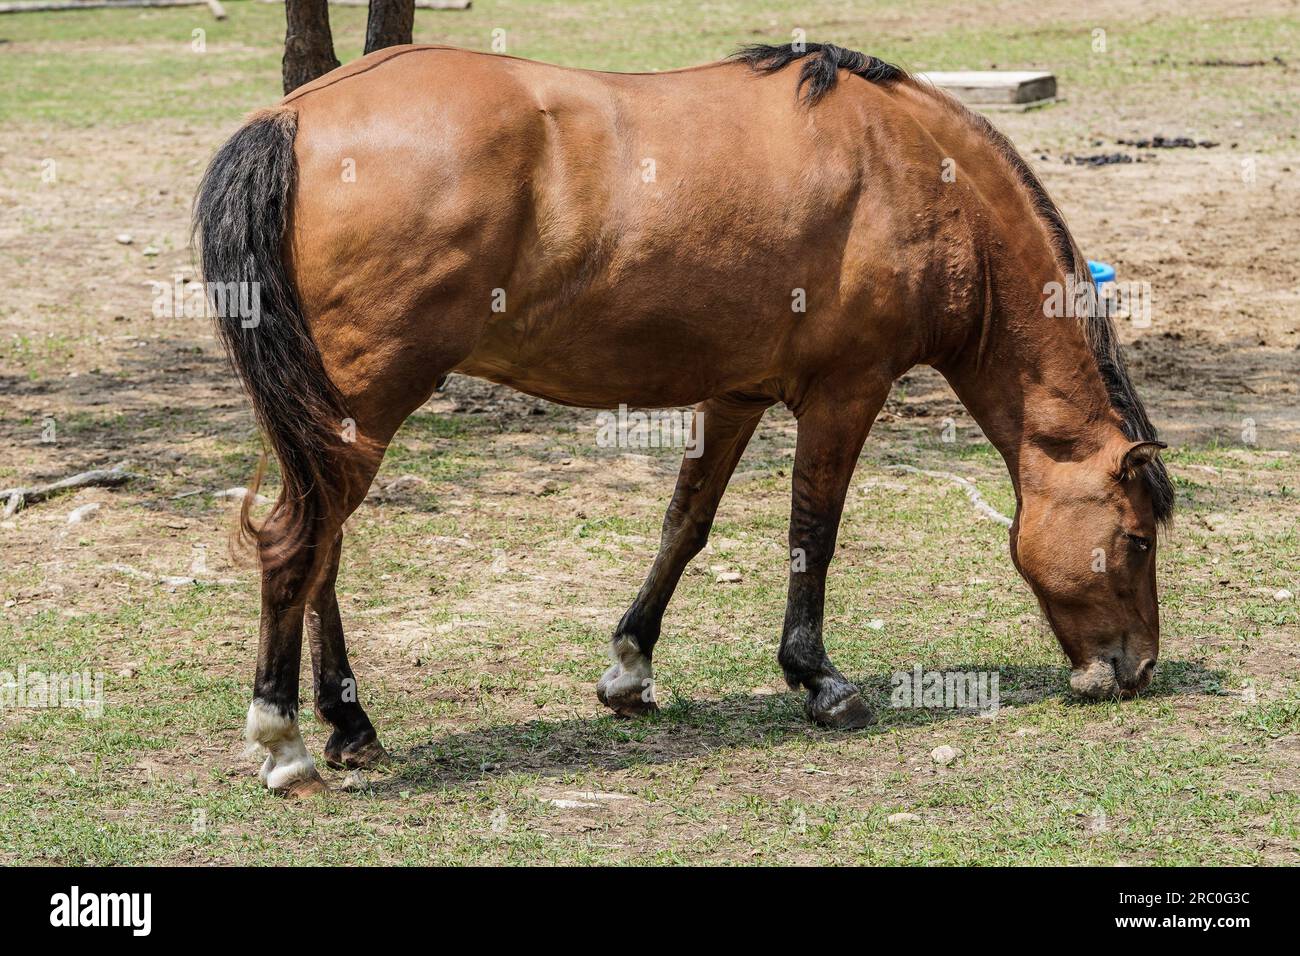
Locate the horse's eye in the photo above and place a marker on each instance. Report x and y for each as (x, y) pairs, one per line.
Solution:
(1139, 542)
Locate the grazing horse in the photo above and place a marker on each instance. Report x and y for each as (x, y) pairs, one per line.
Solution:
(797, 225)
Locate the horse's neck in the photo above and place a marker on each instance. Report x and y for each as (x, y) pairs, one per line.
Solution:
(1030, 381)
(1024, 370)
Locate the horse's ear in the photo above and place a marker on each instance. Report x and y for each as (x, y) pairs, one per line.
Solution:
(1136, 455)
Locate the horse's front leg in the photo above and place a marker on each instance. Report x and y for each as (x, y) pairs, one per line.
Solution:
(722, 429)
(832, 429)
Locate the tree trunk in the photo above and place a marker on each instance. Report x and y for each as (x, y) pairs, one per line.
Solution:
(308, 44)
(389, 23)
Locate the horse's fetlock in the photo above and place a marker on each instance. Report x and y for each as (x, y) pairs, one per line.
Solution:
(802, 660)
(273, 728)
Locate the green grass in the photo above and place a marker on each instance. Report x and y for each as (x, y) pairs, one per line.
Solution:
(108, 67)
(498, 716)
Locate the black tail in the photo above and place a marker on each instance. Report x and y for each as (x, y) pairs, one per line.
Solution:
(240, 218)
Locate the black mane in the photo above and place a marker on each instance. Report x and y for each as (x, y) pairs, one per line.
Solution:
(821, 65)
(1098, 330)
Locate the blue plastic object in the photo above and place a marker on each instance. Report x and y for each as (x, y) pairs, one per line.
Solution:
(1101, 272)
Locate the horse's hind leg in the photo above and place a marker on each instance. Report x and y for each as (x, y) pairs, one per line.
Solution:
(723, 428)
(273, 715)
(831, 433)
(297, 587)
(353, 742)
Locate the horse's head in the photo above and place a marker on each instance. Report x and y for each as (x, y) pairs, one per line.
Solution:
(1085, 539)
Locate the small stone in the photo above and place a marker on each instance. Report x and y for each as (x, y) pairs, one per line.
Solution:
(405, 483)
(1097, 822)
(1216, 521)
(896, 819)
(547, 486)
(78, 515)
(149, 251)
(126, 672)
(355, 780)
(239, 494)
(729, 577)
(573, 805)
(595, 795)
(876, 624)
(944, 755)
(125, 238)
(1282, 594)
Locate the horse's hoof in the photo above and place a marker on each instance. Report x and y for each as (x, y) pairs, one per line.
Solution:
(629, 702)
(848, 713)
(606, 679)
(364, 754)
(305, 788)
(626, 694)
(632, 706)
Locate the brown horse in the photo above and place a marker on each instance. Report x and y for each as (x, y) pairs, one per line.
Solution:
(728, 236)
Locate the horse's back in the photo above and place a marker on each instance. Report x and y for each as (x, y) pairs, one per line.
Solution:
(538, 214)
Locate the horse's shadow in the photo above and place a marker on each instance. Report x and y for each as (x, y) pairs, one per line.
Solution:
(686, 728)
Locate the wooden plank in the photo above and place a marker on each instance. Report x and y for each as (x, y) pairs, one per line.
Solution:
(1004, 87)
(51, 7)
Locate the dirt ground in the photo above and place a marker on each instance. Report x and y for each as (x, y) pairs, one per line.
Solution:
(497, 510)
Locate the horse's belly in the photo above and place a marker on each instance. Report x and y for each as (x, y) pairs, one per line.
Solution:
(623, 358)
(566, 387)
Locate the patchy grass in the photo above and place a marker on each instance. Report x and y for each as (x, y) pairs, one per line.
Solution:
(477, 613)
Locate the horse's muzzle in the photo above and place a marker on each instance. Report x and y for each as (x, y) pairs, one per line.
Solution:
(1109, 678)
